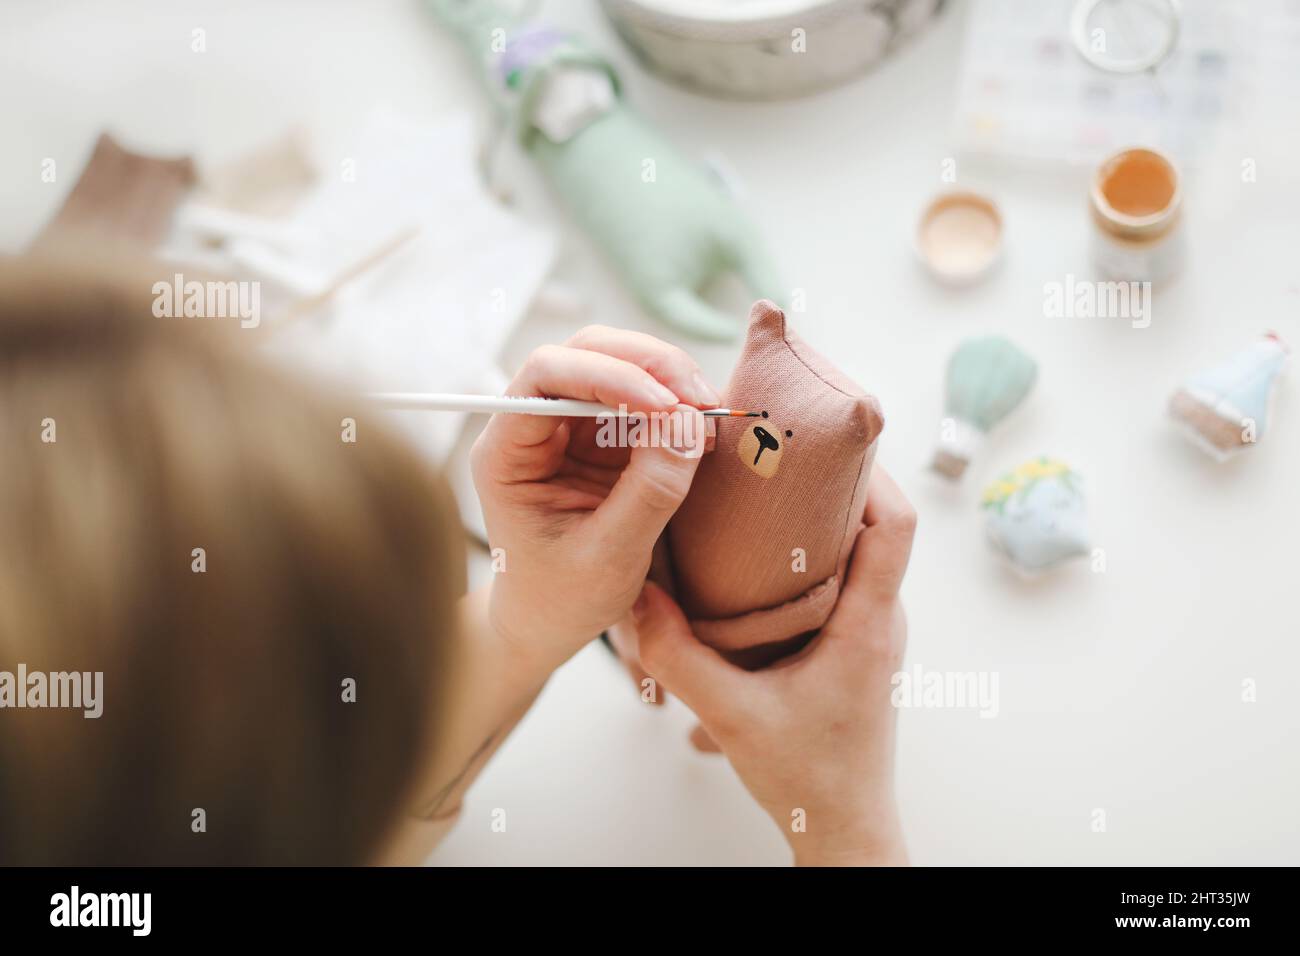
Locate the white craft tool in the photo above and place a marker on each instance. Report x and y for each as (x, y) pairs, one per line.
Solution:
(521, 405)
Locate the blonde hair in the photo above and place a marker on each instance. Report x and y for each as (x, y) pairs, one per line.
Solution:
(128, 443)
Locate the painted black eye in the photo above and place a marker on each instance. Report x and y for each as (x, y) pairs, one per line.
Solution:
(789, 434)
(765, 414)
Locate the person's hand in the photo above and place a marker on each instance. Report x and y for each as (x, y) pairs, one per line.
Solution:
(812, 736)
(576, 522)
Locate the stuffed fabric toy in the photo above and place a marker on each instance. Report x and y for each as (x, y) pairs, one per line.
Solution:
(1037, 516)
(760, 546)
(668, 227)
(1225, 409)
(987, 379)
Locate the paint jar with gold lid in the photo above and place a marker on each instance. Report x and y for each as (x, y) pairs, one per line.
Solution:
(1136, 200)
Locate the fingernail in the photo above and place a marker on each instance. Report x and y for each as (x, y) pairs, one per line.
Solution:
(704, 392)
(694, 433)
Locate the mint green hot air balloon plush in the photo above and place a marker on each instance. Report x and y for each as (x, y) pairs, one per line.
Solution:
(987, 378)
(668, 226)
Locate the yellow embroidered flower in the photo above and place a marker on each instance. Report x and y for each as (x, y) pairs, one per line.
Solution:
(998, 491)
(1036, 469)
(1040, 468)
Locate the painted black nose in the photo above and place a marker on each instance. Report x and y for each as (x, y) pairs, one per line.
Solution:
(765, 441)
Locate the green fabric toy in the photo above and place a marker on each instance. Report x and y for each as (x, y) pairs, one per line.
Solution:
(988, 377)
(667, 225)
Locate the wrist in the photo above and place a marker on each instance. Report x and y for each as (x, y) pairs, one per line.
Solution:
(488, 651)
(525, 654)
(892, 854)
(877, 840)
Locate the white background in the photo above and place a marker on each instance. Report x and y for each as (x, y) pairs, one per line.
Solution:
(1120, 691)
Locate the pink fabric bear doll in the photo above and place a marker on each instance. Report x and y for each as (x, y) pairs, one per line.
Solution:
(756, 553)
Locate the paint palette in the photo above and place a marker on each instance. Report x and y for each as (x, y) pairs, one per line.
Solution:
(1027, 93)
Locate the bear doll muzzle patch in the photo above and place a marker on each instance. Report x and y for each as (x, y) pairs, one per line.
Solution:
(760, 448)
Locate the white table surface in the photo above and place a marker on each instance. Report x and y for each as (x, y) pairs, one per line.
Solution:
(1119, 691)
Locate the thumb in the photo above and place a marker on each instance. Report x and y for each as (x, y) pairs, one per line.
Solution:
(672, 655)
(656, 479)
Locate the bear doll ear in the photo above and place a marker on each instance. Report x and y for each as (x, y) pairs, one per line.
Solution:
(765, 315)
(868, 417)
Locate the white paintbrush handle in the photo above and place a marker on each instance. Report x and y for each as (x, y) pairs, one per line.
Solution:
(489, 404)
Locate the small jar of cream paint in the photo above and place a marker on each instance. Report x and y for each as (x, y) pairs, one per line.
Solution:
(959, 237)
(1136, 201)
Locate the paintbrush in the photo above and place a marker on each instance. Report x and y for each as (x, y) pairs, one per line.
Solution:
(521, 405)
